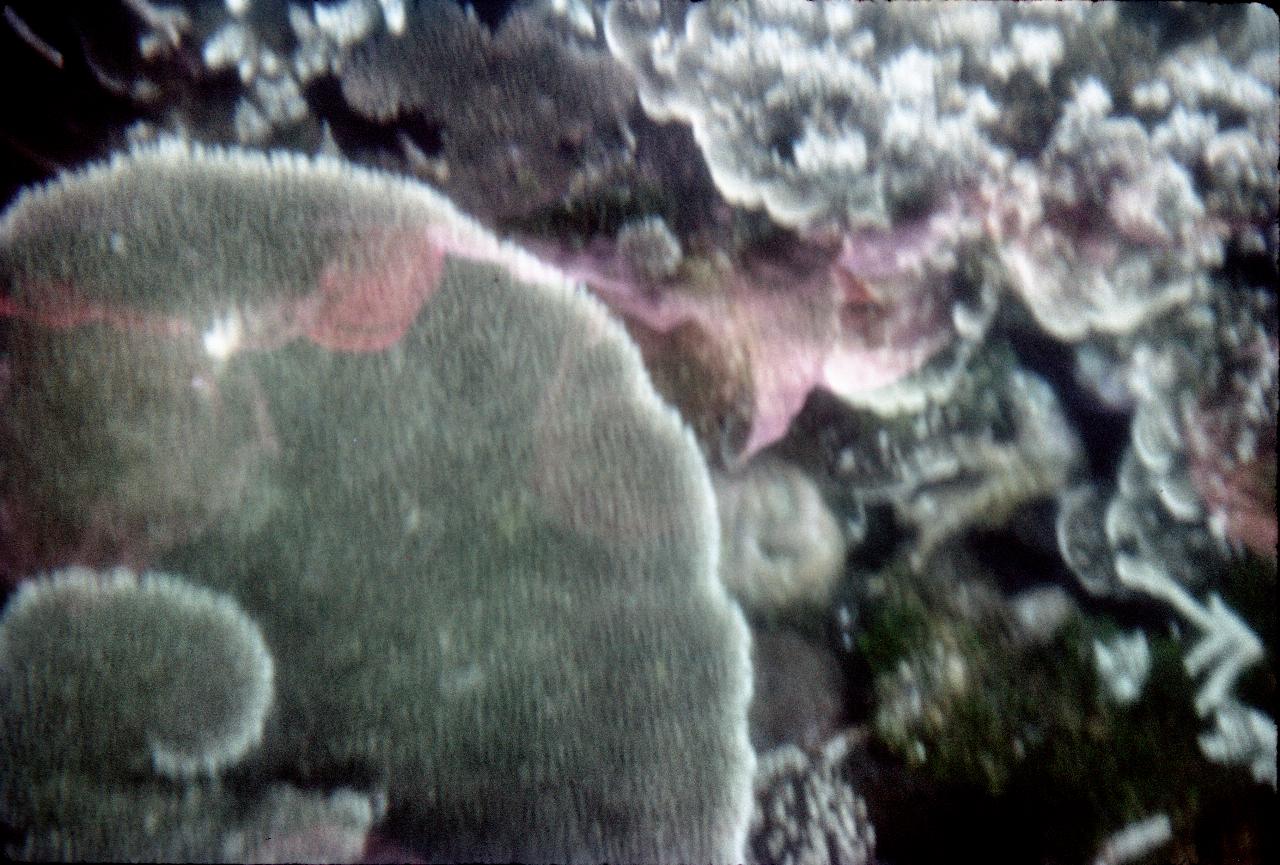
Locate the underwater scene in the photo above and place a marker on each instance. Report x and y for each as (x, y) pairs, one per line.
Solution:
(785, 432)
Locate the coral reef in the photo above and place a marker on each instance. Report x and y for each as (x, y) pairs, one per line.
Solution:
(961, 694)
(1148, 243)
(930, 347)
(523, 118)
(802, 110)
(975, 449)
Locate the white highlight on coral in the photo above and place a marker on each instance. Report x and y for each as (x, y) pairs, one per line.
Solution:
(223, 337)
(347, 22)
(1035, 49)
(579, 15)
(1042, 611)
(167, 23)
(227, 47)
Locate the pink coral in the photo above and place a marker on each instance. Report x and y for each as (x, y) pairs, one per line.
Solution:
(783, 320)
(371, 306)
(793, 317)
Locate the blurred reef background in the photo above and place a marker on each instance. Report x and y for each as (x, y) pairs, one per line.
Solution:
(352, 470)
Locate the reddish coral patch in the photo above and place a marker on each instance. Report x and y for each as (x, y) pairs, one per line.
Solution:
(369, 306)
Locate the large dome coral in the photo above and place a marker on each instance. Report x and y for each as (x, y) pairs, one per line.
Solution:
(484, 559)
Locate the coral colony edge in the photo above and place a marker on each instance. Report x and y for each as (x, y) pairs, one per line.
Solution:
(786, 432)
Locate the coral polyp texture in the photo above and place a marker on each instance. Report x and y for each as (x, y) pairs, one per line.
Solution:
(531, 407)
(483, 556)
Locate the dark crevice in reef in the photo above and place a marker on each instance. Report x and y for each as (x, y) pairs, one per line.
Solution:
(59, 116)
(1104, 432)
(355, 133)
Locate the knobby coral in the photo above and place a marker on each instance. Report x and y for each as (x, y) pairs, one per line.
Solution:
(808, 811)
(782, 545)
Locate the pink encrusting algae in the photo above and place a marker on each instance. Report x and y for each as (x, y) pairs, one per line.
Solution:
(851, 321)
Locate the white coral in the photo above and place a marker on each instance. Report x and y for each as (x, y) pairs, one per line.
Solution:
(782, 546)
(806, 812)
(806, 110)
(1242, 735)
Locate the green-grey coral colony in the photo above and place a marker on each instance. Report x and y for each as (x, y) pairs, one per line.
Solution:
(479, 586)
(640, 431)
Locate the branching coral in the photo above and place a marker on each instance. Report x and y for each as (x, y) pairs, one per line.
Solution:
(808, 813)
(1191, 482)
(970, 696)
(1243, 735)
